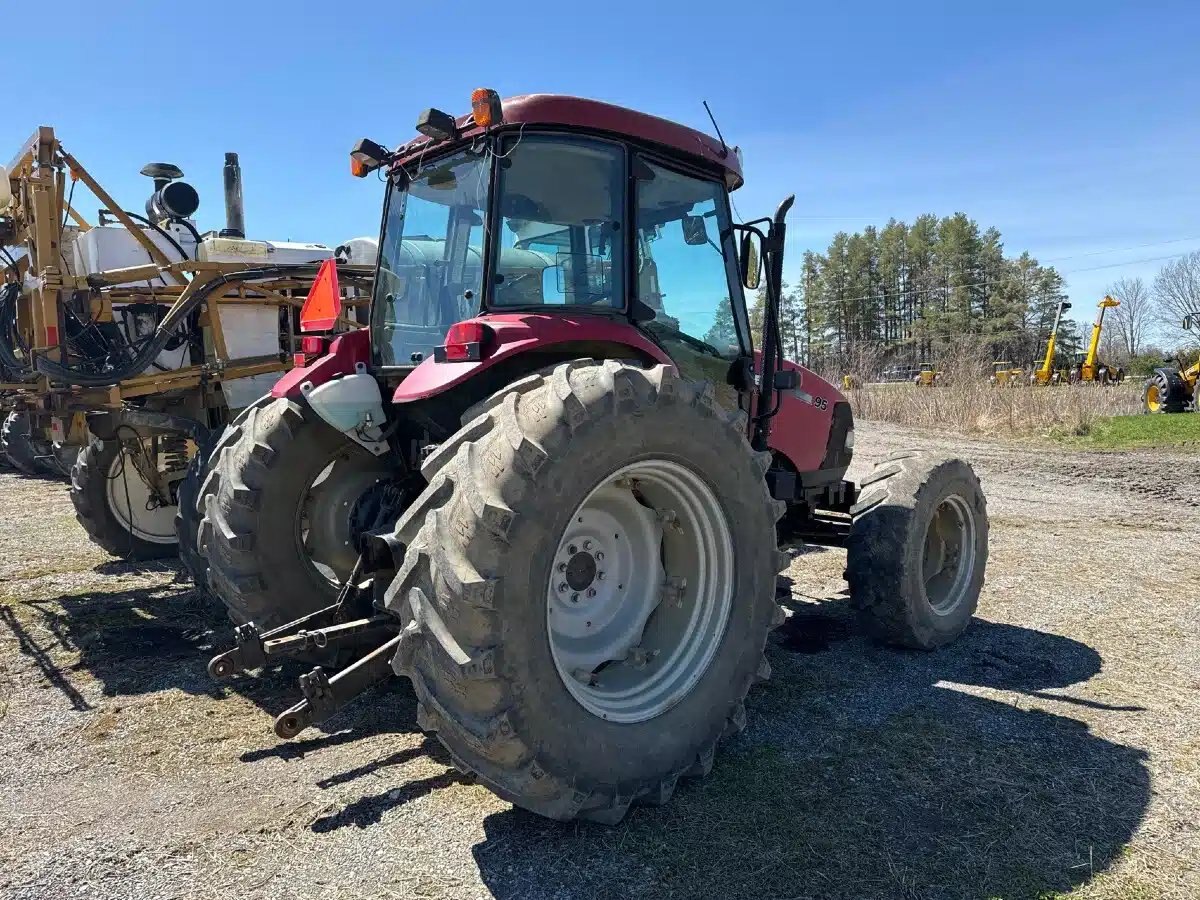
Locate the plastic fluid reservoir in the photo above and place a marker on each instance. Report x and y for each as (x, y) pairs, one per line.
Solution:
(352, 403)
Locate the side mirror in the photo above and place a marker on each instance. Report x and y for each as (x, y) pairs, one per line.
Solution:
(694, 232)
(1190, 322)
(750, 260)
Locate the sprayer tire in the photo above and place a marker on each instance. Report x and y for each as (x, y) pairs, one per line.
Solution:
(17, 444)
(89, 494)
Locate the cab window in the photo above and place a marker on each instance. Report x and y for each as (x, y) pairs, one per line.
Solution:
(561, 224)
(686, 269)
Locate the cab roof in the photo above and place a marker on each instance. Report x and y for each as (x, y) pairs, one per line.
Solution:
(596, 115)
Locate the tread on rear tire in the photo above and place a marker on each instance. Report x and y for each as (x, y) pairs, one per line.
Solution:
(472, 590)
(250, 503)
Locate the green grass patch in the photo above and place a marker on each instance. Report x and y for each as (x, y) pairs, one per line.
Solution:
(1126, 432)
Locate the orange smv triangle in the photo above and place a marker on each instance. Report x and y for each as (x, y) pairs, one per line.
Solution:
(324, 302)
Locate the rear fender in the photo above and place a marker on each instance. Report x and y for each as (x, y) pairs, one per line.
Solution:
(540, 338)
(345, 353)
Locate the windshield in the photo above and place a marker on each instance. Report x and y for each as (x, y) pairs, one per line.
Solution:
(430, 258)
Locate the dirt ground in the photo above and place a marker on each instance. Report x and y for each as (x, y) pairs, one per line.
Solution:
(1054, 750)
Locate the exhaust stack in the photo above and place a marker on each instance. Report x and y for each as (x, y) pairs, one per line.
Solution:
(235, 213)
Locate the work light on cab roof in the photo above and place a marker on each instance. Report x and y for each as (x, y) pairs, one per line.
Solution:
(438, 126)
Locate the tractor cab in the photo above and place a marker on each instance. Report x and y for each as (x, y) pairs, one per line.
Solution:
(544, 228)
(560, 207)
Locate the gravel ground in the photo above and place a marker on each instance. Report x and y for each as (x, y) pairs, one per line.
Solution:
(1053, 750)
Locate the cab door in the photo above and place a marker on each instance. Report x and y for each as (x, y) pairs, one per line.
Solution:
(685, 274)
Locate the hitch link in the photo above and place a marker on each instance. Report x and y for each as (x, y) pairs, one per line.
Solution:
(324, 696)
(315, 631)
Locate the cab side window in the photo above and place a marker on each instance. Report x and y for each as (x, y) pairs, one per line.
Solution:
(685, 260)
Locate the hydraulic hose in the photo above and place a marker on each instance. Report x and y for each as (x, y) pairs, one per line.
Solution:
(9, 294)
(164, 333)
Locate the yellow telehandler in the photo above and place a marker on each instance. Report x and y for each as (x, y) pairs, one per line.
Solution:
(1090, 368)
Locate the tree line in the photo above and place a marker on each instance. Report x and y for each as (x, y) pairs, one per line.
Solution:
(911, 293)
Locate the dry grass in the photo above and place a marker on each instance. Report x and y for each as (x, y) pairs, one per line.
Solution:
(976, 407)
(964, 401)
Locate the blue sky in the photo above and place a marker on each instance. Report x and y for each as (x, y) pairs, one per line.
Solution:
(1073, 127)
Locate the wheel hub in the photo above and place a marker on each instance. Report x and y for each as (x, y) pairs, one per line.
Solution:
(581, 571)
(948, 555)
(640, 591)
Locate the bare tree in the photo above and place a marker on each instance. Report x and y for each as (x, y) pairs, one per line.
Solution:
(1177, 294)
(1134, 316)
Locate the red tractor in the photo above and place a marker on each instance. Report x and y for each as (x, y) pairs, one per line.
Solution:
(549, 484)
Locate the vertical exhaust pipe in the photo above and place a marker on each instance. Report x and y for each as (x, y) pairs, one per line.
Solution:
(235, 214)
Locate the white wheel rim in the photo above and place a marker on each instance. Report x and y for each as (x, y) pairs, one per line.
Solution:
(948, 555)
(155, 525)
(640, 591)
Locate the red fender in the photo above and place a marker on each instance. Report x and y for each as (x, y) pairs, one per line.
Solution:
(514, 333)
(344, 354)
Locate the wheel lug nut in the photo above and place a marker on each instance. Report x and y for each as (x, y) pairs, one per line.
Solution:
(562, 567)
(591, 592)
(574, 598)
(562, 588)
(587, 545)
(599, 576)
(600, 556)
(572, 549)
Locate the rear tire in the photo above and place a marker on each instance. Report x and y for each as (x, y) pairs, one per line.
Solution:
(98, 484)
(477, 592)
(189, 514)
(255, 500)
(918, 549)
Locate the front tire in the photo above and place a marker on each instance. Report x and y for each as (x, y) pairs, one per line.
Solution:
(1164, 392)
(500, 655)
(918, 549)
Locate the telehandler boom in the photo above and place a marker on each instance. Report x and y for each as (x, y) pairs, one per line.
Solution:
(1047, 374)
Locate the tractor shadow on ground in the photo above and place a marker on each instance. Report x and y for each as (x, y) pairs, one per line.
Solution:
(145, 640)
(867, 772)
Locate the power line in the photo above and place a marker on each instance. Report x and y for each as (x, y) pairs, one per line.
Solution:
(1121, 249)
